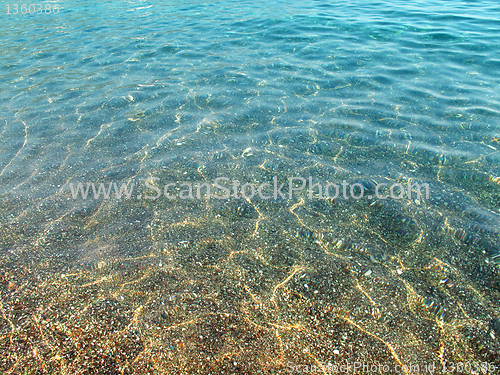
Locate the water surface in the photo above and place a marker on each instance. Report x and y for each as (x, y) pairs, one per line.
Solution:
(372, 91)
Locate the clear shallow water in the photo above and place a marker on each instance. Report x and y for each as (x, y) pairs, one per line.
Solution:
(357, 91)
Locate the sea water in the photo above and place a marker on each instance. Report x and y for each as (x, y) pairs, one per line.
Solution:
(137, 95)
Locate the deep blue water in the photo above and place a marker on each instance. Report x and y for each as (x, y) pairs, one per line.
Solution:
(411, 76)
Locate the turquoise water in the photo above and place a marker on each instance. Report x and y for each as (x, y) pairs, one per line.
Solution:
(362, 91)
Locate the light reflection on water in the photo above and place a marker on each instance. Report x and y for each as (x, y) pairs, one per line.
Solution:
(126, 91)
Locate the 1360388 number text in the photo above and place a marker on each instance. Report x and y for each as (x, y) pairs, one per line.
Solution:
(33, 9)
